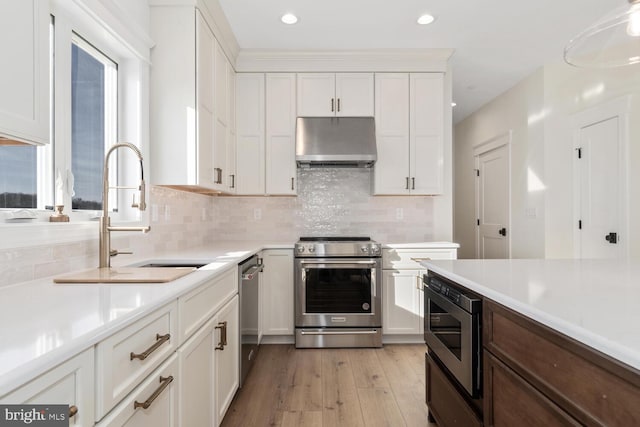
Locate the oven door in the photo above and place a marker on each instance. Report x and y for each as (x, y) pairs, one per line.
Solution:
(337, 292)
(453, 335)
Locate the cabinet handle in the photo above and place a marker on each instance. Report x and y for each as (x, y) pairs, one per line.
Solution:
(406, 186)
(413, 183)
(332, 102)
(73, 411)
(419, 283)
(218, 178)
(291, 183)
(338, 105)
(223, 335)
(161, 339)
(233, 181)
(164, 383)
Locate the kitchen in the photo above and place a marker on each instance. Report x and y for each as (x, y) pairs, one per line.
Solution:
(541, 221)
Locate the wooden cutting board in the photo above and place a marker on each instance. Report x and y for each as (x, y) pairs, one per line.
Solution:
(126, 275)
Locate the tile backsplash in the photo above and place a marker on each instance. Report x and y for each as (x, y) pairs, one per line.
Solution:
(330, 201)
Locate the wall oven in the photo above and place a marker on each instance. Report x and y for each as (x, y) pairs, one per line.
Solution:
(452, 331)
(337, 292)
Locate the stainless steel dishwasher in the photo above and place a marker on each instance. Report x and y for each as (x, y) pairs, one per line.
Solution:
(248, 288)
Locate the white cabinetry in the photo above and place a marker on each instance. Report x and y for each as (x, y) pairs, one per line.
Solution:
(24, 76)
(70, 383)
(402, 294)
(281, 134)
(277, 292)
(409, 116)
(227, 356)
(232, 172)
(153, 403)
(250, 106)
(327, 94)
(221, 123)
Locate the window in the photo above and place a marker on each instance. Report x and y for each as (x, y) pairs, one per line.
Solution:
(18, 176)
(93, 121)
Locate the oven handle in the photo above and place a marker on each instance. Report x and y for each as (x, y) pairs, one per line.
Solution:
(338, 332)
(337, 262)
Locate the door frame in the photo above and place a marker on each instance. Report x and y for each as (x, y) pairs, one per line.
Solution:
(619, 107)
(493, 143)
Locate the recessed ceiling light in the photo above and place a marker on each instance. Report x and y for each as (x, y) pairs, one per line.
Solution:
(453, 104)
(426, 19)
(289, 18)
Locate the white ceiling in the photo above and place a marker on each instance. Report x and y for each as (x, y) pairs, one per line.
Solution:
(497, 42)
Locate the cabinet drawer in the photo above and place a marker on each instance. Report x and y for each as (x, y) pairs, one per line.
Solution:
(70, 383)
(511, 401)
(445, 403)
(199, 305)
(127, 357)
(159, 391)
(594, 389)
(403, 258)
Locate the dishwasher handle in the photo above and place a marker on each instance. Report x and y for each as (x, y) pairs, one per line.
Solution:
(252, 271)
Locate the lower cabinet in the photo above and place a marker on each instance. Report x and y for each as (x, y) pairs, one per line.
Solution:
(402, 296)
(226, 357)
(70, 383)
(153, 403)
(277, 292)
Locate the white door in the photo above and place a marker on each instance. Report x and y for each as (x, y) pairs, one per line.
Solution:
(493, 203)
(227, 356)
(599, 205)
(354, 94)
(402, 302)
(316, 94)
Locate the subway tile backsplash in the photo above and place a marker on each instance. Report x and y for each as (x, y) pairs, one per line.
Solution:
(329, 202)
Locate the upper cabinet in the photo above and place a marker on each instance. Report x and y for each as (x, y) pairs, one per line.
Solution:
(24, 76)
(409, 117)
(251, 133)
(342, 95)
(192, 85)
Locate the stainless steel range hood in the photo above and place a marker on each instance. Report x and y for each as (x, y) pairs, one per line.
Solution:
(335, 142)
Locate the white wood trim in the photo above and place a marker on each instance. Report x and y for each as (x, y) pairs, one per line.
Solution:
(381, 60)
(478, 150)
(619, 107)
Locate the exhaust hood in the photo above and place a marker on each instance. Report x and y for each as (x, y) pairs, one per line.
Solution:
(335, 142)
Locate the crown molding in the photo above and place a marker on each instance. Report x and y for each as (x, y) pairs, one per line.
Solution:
(373, 60)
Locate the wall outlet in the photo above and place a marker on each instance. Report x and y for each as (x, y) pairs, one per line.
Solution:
(530, 213)
(257, 214)
(167, 212)
(154, 213)
(399, 214)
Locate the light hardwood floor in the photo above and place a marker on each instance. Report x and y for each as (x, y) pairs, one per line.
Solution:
(333, 387)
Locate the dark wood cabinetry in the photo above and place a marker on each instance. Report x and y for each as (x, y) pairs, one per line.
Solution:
(537, 376)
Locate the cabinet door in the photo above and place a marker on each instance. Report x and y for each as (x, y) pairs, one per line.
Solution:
(220, 136)
(402, 300)
(277, 292)
(195, 361)
(232, 184)
(227, 357)
(251, 133)
(427, 133)
(391, 172)
(354, 95)
(160, 391)
(316, 95)
(281, 134)
(205, 117)
(71, 383)
(24, 77)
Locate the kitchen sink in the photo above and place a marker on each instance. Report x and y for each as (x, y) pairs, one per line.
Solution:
(173, 264)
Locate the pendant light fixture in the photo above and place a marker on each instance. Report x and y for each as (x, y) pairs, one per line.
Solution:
(613, 41)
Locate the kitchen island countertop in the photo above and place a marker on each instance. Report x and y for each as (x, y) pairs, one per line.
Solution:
(595, 302)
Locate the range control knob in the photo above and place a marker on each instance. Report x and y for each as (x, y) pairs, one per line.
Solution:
(375, 249)
(364, 249)
(300, 249)
(312, 249)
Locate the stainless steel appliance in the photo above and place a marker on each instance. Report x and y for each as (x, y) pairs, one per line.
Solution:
(452, 331)
(335, 142)
(337, 292)
(248, 289)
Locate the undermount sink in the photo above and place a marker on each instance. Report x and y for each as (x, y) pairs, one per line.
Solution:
(124, 275)
(161, 264)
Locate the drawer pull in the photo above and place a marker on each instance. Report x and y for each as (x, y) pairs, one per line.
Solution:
(164, 383)
(161, 339)
(73, 411)
(223, 335)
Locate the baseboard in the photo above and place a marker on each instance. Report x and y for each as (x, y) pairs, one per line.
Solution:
(278, 339)
(403, 339)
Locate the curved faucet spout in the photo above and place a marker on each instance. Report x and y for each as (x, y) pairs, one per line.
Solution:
(105, 222)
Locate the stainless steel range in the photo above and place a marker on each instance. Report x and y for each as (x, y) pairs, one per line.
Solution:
(337, 292)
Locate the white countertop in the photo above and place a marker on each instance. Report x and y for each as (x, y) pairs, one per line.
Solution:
(421, 245)
(42, 324)
(596, 302)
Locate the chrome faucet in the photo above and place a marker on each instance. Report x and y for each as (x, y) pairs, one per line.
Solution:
(105, 222)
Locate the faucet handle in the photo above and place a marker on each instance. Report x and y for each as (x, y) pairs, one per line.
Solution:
(114, 252)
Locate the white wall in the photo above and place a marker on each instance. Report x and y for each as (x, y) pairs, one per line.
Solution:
(539, 110)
